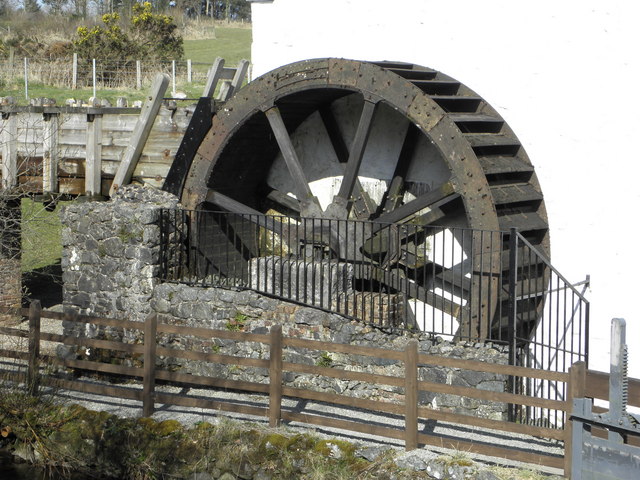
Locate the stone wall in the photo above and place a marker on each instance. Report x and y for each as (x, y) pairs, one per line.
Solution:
(111, 251)
(10, 283)
(252, 312)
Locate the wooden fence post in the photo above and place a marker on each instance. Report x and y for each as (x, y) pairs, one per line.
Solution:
(576, 388)
(26, 78)
(74, 72)
(189, 74)
(93, 175)
(149, 378)
(138, 75)
(34, 347)
(140, 133)
(275, 376)
(411, 395)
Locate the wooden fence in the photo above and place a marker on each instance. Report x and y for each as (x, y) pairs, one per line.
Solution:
(580, 382)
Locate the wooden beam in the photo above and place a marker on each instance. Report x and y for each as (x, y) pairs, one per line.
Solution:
(302, 189)
(140, 133)
(33, 375)
(50, 134)
(411, 395)
(9, 150)
(238, 78)
(93, 169)
(149, 375)
(212, 77)
(275, 376)
(356, 153)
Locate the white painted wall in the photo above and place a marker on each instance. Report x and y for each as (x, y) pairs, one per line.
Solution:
(562, 73)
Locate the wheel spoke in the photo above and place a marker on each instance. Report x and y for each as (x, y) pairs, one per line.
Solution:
(363, 205)
(247, 213)
(442, 194)
(284, 202)
(356, 153)
(393, 196)
(301, 184)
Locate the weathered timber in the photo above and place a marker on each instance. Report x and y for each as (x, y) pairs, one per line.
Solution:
(149, 378)
(275, 376)
(215, 72)
(141, 132)
(33, 375)
(411, 395)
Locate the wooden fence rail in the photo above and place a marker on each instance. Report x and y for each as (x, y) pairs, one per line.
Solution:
(579, 382)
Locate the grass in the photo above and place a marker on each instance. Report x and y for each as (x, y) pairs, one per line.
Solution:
(231, 43)
(41, 231)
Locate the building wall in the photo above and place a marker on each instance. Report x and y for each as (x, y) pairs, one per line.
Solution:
(562, 75)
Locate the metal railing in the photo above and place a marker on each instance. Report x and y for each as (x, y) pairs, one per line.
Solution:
(456, 283)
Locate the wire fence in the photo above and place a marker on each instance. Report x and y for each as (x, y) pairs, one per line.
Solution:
(73, 72)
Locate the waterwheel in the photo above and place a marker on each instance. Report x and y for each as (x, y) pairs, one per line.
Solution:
(395, 143)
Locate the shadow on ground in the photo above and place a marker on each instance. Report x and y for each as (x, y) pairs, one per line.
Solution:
(44, 284)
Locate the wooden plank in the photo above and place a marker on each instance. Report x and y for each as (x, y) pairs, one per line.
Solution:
(356, 402)
(93, 177)
(344, 348)
(235, 84)
(50, 136)
(14, 332)
(173, 399)
(92, 342)
(212, 77)
(95, 366)
(212, 357)
(492, 396)
(186, 378)
(9, 138)
(275, 376)
(597, 386)
(141, 132)
(149, 378)
(33, 374)
(18, 377)
(343, 424)
(72, 316)
(491, 450)
(372, 378)
(492, 368)
(544, 432)
(14, 354)
(211, 333)
(411, 395)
